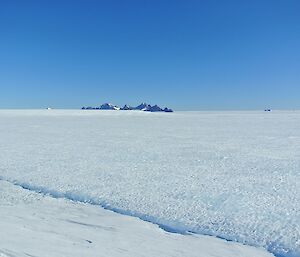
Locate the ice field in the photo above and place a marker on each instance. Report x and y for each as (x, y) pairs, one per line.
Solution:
(234, 175)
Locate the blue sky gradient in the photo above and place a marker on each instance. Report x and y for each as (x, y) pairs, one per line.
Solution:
(188, 55)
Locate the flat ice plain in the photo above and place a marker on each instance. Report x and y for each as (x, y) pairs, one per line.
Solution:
(234, 175)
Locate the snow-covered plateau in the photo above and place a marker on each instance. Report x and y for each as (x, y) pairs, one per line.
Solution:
(232, 175)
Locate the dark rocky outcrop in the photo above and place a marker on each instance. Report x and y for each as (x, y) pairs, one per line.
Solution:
(141, 107)
(108, 106)
(126, 108)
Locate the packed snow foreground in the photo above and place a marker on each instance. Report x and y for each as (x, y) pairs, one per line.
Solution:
(233, 175)
(36, 225)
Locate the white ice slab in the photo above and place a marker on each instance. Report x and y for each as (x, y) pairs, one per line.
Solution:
(34, 225)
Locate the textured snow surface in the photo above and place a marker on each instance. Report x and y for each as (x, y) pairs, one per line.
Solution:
(234, 175)
(36, 225)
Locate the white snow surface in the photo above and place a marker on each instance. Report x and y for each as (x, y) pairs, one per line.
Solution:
(235, 175)
(36, 225)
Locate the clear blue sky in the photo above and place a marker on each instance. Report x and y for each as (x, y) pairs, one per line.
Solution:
(188, 55)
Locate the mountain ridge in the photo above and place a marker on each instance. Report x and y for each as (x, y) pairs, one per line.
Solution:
(141, 107)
